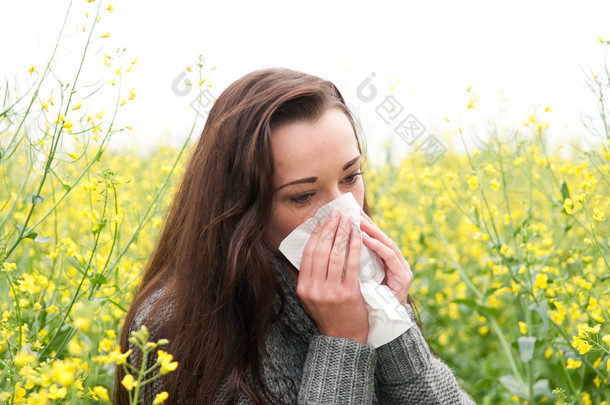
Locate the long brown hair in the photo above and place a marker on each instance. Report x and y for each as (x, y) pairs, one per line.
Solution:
(210, 254)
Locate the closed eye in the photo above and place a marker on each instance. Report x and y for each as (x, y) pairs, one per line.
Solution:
(306, 198)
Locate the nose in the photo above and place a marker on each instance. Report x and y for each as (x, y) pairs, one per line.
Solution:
(335, 193)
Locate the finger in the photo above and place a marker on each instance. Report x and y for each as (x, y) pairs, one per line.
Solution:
(394, 262)
(352, 265)
(323, 248)
(308, 251)
(339, 251)
(373, 230)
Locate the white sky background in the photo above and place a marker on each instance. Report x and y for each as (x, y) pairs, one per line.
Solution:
(425, 54)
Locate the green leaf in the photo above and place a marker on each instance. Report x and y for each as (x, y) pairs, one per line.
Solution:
(99, 279)
(541, 310)
(37, 198)
(526, 347)
(542, 388)
(492, 312)
(565, 193)
(75, 263)
(513, 385)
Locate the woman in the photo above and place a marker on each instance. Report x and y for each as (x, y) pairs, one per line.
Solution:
(246, 326)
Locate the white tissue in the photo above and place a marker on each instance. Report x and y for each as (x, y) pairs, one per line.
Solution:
(388, 318)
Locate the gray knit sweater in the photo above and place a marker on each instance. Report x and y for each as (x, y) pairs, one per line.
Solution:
(334, 370)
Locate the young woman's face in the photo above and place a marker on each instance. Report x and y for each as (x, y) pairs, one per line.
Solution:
(315, 163)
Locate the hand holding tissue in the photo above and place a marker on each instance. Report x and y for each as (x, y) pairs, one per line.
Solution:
(387, 317)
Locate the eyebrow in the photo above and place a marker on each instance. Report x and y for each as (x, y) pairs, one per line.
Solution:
(314, 179)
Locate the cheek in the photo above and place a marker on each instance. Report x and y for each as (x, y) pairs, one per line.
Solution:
(283, 222)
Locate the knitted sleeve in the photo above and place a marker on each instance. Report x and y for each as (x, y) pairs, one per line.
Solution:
(338, 371)
(408, 372)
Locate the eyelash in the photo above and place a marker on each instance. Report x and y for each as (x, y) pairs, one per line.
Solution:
(297, 200)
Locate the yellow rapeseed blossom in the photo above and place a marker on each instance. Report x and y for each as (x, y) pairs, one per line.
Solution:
(101, 392)
(473, 182)
(573, 364)
(598, 215)
(581, 345)
(8, 267)
(63, 372)
(522, 327)
(24, 357)
(57, 393)
(106, 35)
(129, 382)
(165, 360)
(568, 205)
(160, 398)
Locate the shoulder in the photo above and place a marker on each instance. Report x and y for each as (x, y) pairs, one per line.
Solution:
(154, 312)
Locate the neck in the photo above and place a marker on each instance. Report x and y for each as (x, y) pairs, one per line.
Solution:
(294, 272)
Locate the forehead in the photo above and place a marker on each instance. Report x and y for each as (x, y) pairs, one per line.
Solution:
(305, 149)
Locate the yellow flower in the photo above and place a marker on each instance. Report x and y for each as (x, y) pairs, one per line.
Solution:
(24, 357)
(522, 327)
(67, 125)
(73, 155)
(110, 8)
(129, 382)
(32, 69)
(165, 359)
(473, 182)
(101, 392)
(8, 267)
(123, 102)
(495, 184)
(160, 398)
(77, 106)
(132, 94)
(573, 364)
(106, 35)
(606, 339)
(567, 205)
(598, 215)
(63, 372)
(581, 345)
(55, 393)
(541, 281)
